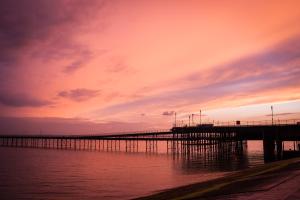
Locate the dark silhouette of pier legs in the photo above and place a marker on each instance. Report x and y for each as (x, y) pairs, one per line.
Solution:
(279, 147)
(272, 149)
(269, 150)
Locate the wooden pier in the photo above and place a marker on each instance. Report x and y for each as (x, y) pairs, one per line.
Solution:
(272, 136)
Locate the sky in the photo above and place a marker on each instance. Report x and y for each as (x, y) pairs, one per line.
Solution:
(95, 66)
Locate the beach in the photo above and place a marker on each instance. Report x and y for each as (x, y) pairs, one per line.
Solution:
(276, 180)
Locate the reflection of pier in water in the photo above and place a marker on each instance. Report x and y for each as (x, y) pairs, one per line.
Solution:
(219, 156)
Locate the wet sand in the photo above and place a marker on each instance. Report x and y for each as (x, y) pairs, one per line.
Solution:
(277, 180)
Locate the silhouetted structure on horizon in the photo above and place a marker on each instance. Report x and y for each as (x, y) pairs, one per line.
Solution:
(202, 135)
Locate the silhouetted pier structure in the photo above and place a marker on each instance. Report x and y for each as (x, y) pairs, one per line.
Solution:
(180, 138)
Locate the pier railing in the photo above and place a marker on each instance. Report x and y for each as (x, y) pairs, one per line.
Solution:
(276, 122)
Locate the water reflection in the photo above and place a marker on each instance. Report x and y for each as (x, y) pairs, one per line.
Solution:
(116, 169)
(219, 157)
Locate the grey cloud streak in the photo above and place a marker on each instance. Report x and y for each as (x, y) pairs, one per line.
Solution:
(21, 100)
(168, 113)
(47, 126)
(79, 94)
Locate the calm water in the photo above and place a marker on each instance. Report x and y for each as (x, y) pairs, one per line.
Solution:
(28, 173)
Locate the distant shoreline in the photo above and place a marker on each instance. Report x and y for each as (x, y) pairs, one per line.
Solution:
(251, 179)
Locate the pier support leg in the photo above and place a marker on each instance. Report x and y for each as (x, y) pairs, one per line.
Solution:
(279, 149)
(269, 150)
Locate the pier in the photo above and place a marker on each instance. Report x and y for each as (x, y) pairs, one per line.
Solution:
(178, 139)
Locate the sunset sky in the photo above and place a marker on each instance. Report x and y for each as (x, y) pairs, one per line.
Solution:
(107, 66)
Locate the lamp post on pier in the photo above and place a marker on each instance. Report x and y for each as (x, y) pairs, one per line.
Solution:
(200, 117)
(272, 115)
(175, 120)
(192, 119)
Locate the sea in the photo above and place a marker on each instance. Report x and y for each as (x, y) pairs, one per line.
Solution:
(117, 171)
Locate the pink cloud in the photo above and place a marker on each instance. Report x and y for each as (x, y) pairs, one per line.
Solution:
(145, 57)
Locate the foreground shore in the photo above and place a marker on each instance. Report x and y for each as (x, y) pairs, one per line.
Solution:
(276, 180)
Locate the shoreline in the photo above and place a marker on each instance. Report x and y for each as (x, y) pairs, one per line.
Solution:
(251, 180)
